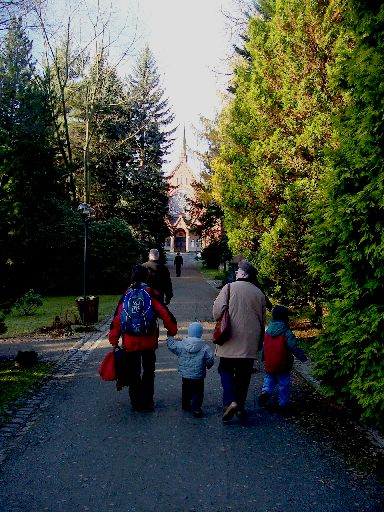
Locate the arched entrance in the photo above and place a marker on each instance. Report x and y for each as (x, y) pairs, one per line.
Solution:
(180, 241)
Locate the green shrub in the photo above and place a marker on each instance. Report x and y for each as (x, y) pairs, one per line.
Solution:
(347, 238)
(28, 303)
(112, 252)
(3, 327)
(215, 253)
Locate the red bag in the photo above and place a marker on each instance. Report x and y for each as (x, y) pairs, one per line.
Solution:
(222, 331)
(107, 369)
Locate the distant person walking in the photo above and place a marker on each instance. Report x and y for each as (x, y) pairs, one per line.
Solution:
(140, 334)
(159, 276)
(194, 356)
(280, 345)
(178, 262)
(237, 355)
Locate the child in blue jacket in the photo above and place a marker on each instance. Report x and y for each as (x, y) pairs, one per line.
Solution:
(279, 347)
(195, 356)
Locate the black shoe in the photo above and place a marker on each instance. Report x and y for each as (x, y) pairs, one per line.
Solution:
(263, 399)
(186, 407)
(198, 413)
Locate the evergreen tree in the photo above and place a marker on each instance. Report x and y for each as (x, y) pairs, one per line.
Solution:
(145, 198)
(273, 133)
(347, 238)
(27, 178)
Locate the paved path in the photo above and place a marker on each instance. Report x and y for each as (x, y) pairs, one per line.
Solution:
(82, 448)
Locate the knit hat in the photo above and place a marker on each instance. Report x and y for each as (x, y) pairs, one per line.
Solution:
(195, 330)
(246, 267)
(281, 313)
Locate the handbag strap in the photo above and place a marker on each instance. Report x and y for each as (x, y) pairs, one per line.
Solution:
(228, 294)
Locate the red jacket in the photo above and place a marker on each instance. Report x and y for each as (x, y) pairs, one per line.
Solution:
(150, 342)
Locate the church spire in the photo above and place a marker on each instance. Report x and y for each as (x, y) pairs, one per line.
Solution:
(183, 155)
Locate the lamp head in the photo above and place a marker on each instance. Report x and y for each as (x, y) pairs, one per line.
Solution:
(86, 210)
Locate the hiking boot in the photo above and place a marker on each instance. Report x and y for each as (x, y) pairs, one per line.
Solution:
(263, 399)
(230, 411)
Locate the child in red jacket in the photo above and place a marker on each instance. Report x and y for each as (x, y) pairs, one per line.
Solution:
(280, 345)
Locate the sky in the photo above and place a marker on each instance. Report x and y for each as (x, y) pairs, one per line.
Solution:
(190, 40)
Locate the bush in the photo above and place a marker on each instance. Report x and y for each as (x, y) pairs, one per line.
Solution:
(29, 302)
(112, 252)
(217, 252)
(3, 327)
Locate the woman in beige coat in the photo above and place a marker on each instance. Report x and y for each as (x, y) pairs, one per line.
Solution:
(237, 355)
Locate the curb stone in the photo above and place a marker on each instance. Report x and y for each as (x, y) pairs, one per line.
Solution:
(28, 408)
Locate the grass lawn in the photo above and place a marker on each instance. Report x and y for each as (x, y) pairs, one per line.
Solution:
(16, 383)
(211, 273)
(65, 307)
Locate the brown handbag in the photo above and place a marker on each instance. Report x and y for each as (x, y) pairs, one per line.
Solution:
(222, 331)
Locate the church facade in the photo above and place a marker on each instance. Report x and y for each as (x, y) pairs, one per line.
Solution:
(180, 180)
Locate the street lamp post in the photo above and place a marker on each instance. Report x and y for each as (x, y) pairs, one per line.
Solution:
(86, 212)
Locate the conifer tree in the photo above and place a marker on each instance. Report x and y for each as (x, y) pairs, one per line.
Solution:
(347, 238)
(28, 182)
(273, 133)
(145, 195)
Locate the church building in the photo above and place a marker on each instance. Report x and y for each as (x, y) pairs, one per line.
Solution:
(180, 190)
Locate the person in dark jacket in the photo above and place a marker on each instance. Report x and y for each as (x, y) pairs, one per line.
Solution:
(280, 345)
(194, 356)
(178, 262)
(159, 276)
(141, 349)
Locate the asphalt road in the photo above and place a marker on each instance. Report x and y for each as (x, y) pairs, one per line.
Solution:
(87, 451)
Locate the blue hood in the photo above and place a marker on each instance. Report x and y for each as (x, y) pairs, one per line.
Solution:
(277, 327)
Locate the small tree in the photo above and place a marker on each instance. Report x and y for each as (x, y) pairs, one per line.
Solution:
(29, 302)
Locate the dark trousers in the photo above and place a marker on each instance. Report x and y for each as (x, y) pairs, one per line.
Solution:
(178, 270)
(141, 377)
(235, 376)
(192, 394)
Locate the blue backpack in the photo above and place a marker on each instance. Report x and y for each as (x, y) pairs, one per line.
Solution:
(137, 316)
